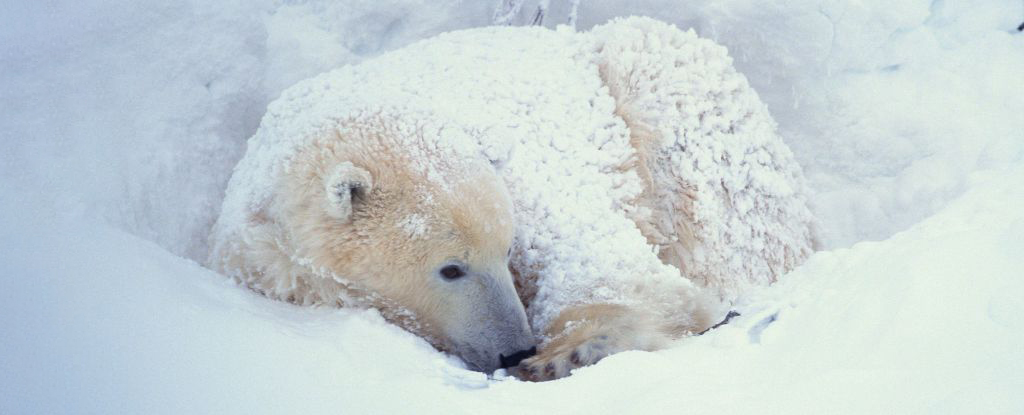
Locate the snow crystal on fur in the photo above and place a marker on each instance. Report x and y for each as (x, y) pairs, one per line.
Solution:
(555, 112)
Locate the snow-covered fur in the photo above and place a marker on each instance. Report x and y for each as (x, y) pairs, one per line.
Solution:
(649, 187)
(376, 213)
(723, 197)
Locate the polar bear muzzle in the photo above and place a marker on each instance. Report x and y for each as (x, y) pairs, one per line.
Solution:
(487, 325)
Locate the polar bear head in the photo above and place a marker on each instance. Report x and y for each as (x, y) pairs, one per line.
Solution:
(422, 232)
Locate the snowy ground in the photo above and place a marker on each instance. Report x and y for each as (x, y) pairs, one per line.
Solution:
(119, 124)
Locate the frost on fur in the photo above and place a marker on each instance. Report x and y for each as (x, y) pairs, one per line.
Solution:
(727, 203)
(346, 185)
(644, 171)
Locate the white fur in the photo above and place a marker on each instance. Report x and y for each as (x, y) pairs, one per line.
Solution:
(647, 181)
(343, 184)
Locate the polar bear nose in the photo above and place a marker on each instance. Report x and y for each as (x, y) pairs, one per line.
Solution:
(514, 358)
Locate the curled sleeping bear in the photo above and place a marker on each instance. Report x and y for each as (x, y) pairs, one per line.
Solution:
(509, 190)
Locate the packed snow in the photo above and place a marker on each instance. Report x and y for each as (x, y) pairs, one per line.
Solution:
(121, 124)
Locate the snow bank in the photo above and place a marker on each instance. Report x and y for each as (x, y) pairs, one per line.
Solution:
(104, 322)
(929, 320)
(132, 116)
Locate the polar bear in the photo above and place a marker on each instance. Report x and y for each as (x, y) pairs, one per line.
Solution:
(500, 190)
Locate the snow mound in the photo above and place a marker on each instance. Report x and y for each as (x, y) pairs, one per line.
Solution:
(926, 321)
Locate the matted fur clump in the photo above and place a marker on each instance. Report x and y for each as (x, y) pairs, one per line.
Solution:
(638, 177)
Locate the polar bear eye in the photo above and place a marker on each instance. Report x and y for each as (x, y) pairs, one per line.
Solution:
(452, 272)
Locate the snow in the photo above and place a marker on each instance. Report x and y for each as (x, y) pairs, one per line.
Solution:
(414, 225)
(121, 124)
(750, 215)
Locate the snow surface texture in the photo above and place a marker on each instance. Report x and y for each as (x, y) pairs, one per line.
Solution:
(535, 101)
(121, 122)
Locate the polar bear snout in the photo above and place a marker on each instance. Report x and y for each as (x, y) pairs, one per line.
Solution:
(492, 331)
(520, 345)
(514, 359)
(492, 356)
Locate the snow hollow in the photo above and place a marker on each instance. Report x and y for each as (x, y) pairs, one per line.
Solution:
(120, 124)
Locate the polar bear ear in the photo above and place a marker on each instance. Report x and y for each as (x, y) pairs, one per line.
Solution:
(346, 187)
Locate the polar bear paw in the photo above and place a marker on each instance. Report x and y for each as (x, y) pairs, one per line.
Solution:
(558, 362)
(584, 335)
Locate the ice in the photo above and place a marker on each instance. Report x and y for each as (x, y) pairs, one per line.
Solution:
(121, 123)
